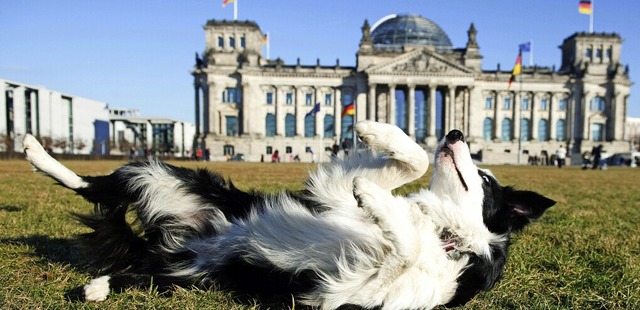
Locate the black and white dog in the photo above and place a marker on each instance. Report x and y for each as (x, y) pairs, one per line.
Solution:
(344, 240)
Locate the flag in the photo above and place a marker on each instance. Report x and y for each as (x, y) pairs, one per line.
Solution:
(517, 68)
(265, 38)
(584, 7)
(316, 109)
(525, 47)
(225, 2)
(349, 109)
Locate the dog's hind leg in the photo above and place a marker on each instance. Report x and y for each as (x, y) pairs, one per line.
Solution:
(393, 216)
(44, 163)
(404, 154)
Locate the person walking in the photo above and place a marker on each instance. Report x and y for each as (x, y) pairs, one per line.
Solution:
(561, 155)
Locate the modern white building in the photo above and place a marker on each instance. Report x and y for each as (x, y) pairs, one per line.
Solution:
(68, 124)
(408, 73)
(64, 123)
(161, 136)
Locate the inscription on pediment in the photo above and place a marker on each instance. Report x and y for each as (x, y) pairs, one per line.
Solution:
(423, 63)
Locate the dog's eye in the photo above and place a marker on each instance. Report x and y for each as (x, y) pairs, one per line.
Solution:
(486, 179)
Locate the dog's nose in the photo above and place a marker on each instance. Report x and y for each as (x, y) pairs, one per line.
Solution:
(455, 136)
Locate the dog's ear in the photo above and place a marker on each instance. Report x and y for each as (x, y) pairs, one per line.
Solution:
(525, 207)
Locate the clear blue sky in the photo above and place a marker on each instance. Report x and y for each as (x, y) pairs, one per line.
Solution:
(138, 53)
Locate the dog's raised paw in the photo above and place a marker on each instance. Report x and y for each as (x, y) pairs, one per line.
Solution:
(97, 289)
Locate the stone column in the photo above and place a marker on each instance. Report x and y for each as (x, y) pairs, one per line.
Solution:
(280, 114)
(431, 132)
(586, 98)
(319, 116)
(300, 113)
(337, 112)
(553, 115)
(196, 88)
(411, 111)
(246, 111)
(497, 116)
(451, 109)
(371, 108)
(517, 115)
(391, 116)
(533, 120)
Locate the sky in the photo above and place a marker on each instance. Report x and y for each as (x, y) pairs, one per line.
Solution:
(139, 53)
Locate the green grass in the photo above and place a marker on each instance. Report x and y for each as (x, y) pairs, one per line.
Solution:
(583, 254)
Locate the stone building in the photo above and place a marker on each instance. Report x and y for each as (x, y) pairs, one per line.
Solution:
(407, 73)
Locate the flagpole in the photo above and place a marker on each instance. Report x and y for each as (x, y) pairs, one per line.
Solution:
(591, 16)
(268, 45)
(235, 10)
(531, 54)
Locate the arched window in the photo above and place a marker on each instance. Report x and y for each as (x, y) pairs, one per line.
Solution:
(524, 129)
(560, 126)
(310, 125)
(487, 129)
(543, 130)
(289, 125)
(328, 126)
(506, 129)
(270, 125)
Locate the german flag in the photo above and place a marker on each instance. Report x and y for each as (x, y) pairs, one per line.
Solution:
(265, 39)
(349, 110)
(584, 7)
(517, 68)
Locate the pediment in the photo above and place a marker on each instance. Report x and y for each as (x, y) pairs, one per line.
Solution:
(598, 117)
(420, 62)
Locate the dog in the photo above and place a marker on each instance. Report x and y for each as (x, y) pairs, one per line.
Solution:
(345, 239)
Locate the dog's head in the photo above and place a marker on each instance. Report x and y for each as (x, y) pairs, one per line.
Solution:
(456, 177)
(503, 210)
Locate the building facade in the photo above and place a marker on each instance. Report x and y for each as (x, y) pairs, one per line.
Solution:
(408, 73)
(64, 123)
(68, 124)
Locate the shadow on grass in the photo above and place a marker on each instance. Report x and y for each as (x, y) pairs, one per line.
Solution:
(11, 208)
(52, 250)
(65, 252)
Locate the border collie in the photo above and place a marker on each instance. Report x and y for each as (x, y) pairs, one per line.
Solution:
(343, 240)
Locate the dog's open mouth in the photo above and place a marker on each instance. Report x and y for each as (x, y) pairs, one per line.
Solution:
(447, 151)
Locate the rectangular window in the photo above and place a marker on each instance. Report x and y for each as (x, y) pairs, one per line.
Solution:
(327, 99)
(543, 104)
(243, 42)
(220, 42)
(230, 95)
(269, 98)
(507, 104)
(525, 104)
(488, 102)
(597, 132)
(609, 53)
(269, 150)
(289, 98)
(599, 53)
(308, 99)
(288, 150)
(562, 104)
(232, 42)
(232, 125)
(587, 53)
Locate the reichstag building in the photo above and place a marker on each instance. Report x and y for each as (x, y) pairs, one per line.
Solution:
(407, 73)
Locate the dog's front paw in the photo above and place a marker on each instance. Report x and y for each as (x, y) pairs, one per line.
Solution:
(97, 289)
(378, 136)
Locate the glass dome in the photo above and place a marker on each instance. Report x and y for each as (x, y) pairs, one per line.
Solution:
(395, 31)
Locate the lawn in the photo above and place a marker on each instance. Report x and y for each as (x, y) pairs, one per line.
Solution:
(583, 254)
